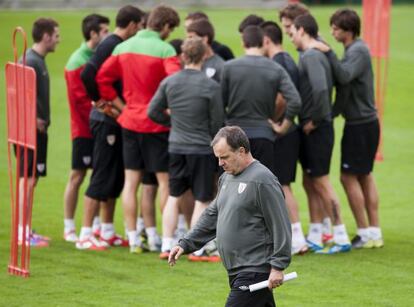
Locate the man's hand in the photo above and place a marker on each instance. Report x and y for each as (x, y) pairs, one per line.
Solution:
(309, 126)
(280, 107)
(118, 103)
(275, 278)
(320, 46)
(100, 104)
(282, 128)
(175, 253)
(111, 111)
(41, 125)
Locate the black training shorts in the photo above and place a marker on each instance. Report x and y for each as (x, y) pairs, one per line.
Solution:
(107, 179)
(149, 179)
(82, 149)
(316, 150)
(147, 151)
(41, 157)
(195, 172)
(286, 157)
(262, 150)
(358, 147)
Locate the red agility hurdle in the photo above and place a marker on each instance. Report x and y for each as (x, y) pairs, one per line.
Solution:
(21, 134)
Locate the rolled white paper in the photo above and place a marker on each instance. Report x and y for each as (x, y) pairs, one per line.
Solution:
(265, 283)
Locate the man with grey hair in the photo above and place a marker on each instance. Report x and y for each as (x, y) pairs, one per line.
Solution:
(249, 219)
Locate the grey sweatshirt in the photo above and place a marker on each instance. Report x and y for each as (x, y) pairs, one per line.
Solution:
(37, 62)
(213, 67)
(286, 61)
(315, 87)
(250, 85)
(196, 111)
(249, 219)
(355, 98)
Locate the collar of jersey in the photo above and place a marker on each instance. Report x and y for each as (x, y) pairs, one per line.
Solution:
(148, 33)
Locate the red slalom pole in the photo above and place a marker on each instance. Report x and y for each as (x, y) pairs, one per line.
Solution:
(21, 124)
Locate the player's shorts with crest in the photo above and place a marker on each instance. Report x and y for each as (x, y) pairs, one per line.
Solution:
(359, 146)
(41, 155)
(82, 149)
(107, 179)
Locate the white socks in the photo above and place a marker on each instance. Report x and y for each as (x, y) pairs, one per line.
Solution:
(297, 235)
(85, 233)
(340, 235)
(133, 238)
(327, 226)
(375, 233)
(140, 224)
(167, 244)
(363, 233)
(107, 231)
(96, 225)
(69, 225)
(315, 233)
(151, 232)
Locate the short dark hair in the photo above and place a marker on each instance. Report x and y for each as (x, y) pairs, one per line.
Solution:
(308, 23)
(202, 28)
(234, 136)
(176, 43)
(196, 16)
(272, 30)
(42, 26)
(193, 50)
(93, 23)
(347, 20)
(250, 20)
(252, 37)
(163, 15)
(127, 14)
(293, 10)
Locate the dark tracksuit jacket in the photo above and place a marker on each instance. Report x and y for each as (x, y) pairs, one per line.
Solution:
(88, 75)
(37, 62)
(315, 87)
(250, 85)
(222, 50)
(355, 95)
(285, 60)
(196, 111)
(213, 67)
(249, 219)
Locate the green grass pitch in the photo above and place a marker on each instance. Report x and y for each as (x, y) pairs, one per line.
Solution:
(64, 276)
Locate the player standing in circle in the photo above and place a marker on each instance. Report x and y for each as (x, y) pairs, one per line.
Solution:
(94, 28)
(286, 147)
(317, 133)
(107, 177)
(355, 102)
(141, 63)
(196, 114)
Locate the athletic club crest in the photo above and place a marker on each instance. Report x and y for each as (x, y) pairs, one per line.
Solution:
(242, 187)
(210, 72)
(111, 139)
(86, 160)
(41, 167)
